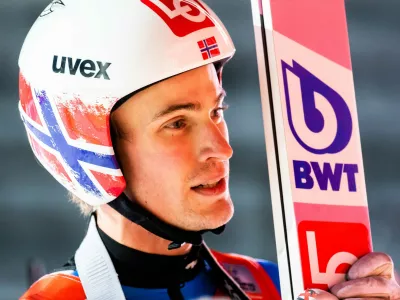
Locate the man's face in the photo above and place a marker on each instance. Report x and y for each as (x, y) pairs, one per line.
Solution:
(174, 150)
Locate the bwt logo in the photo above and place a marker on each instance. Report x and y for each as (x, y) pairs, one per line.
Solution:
(182, 16)
(87, 68)
(317, 115)
(310, 86)
(303, 179)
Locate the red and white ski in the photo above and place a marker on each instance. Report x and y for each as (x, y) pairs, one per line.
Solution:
(314, 154)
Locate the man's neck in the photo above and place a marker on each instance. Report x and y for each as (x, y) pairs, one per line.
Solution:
(132, 235)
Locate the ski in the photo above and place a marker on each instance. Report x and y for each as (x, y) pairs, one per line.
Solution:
(315, 165)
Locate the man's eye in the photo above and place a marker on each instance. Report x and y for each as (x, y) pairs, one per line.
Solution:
(176, 125)
(219, 111)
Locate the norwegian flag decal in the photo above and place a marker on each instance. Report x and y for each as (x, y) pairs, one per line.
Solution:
(209, 48)
(84, 166)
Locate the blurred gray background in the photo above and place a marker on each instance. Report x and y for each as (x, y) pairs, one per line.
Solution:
(36, 220)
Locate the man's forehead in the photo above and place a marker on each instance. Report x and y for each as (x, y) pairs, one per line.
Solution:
(200, 78)
(196, 85)
(200, 95)
(195, 105)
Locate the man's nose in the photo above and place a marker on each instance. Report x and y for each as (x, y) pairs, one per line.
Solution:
(214, 143)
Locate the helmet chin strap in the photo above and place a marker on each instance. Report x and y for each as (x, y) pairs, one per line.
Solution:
(137, 214)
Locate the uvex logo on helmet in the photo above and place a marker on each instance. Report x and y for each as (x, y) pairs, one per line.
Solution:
(87, 68)
(182, 16)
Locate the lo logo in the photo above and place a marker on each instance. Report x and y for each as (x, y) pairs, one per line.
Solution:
(180, 10)
(327, 250)
(182, 16)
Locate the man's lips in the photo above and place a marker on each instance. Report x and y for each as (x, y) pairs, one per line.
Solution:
(215, 190)
(210, 180)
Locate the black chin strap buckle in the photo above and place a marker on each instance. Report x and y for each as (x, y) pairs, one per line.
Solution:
(174, 245)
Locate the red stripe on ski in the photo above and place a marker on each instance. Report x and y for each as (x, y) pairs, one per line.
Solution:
(311, 22)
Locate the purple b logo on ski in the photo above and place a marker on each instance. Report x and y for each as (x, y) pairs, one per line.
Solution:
(317, 128)
(314, 120)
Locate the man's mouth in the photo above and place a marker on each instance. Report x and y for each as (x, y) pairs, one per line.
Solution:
(211, 189)
(207, 185)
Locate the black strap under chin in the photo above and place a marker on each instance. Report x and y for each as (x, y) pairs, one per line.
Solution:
(137, 214)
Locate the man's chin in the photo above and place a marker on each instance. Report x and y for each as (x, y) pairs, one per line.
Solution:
(207, 215)
(220, 215)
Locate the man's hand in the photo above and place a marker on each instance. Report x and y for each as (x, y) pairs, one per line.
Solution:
(371, 277)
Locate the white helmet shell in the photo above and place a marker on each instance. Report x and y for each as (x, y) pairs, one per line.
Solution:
(81, 56)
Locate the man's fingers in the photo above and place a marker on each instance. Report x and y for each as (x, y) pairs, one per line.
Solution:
(372, 264)
(372, 287)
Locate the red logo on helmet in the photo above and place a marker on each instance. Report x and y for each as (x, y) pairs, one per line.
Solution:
(327, 250)
(182, 16)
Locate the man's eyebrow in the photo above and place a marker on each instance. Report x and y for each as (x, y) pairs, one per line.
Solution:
(186, 106)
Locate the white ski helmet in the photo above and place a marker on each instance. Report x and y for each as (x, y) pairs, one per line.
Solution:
(81, 56)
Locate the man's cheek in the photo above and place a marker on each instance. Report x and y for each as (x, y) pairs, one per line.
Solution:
(171, 165)
(176, 153)
(171, 157)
